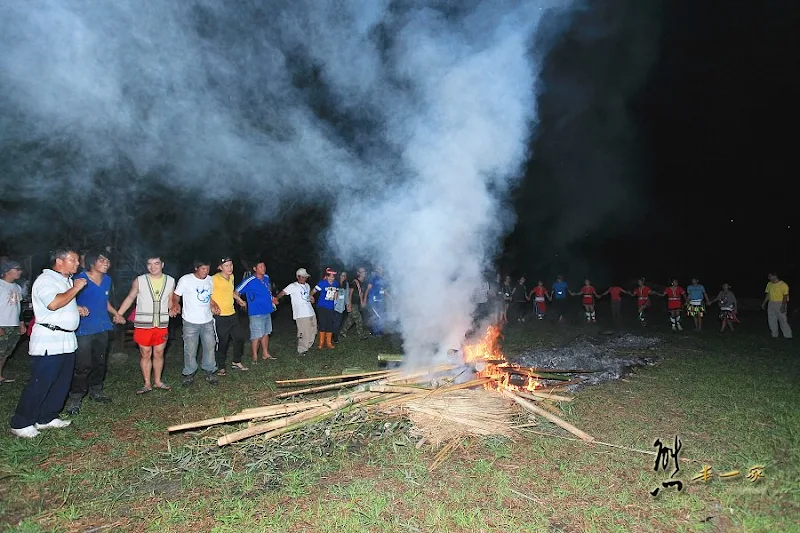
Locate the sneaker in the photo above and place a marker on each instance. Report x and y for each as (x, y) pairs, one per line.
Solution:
(73, 406)
(680, 328)
(100, 397)
(211, 378)
(54, 423)
(187, 380)
(28, 432)
(302, 354)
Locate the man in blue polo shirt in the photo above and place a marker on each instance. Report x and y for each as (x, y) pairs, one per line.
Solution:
(257, 292)
(560, 292)
(92, 333)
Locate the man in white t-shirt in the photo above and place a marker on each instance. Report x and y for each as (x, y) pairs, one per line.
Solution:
(198, 312)
(11, 326)
(52, 346)
(302, 310)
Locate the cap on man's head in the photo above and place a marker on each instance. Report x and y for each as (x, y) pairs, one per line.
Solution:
(302, 273)
(8, 266)
(329, 271)
(224, 259)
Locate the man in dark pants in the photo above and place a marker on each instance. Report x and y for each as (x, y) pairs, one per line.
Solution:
(52, 346)
(226, 322)
(92, 333)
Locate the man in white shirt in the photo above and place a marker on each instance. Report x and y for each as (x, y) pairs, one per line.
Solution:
(11, 326)
(302, 310)
(52, 346)
(198, 312)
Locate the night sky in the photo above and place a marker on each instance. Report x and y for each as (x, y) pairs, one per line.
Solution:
(664, 147)
(710, 163)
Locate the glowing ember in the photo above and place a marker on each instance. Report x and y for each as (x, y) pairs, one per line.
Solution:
(489, 362)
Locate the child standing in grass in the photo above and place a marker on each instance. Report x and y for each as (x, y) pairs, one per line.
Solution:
(727, 307)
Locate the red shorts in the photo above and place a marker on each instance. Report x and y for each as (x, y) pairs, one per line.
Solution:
(645, 302)
(674, 305)
(150, 336)
(588, 300)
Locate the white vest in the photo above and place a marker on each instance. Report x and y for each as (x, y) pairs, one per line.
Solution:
(146, 302)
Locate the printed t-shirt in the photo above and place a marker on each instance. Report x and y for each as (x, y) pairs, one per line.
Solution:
(777, 291)
(196, 294)
(95, 298)
(258, 294)
(10, 303)
(327, 293)
(301, 305)
(560, 290)
(378, 289)
(223, 294)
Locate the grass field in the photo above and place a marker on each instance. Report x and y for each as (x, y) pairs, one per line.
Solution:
(733, 400)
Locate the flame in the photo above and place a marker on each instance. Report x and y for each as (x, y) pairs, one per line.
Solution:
(490, 362)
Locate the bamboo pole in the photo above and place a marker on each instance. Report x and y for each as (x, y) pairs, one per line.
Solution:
(421, 373)
(396, 388)
(290, 382)
(533, 395)
(308, 403)
(549, 416)
(391, 357)
(299, 417)
(334, 385)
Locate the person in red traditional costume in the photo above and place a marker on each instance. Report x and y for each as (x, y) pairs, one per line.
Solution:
(642, 295)
(676, 297)
(589, 294)
(539, 294)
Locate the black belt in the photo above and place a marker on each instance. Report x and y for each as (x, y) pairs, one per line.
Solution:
(53, 327)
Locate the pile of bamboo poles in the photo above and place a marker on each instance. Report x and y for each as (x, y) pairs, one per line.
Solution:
(439, 414)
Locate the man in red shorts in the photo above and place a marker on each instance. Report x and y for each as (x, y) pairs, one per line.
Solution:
(642, 294)
(152, 293)
(676, 297)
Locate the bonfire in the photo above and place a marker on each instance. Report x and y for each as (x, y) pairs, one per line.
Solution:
(496, 398)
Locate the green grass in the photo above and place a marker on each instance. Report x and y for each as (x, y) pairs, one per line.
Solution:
(733, 400)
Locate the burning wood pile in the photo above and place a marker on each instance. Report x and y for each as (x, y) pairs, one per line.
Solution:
(489, 402)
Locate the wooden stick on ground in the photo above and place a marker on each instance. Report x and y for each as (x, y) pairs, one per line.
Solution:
(290, 382)
(397, 388)
(270, 411)
(334, 405)
(545, 396)
(310, 403)
(334, 385)
(530, 406)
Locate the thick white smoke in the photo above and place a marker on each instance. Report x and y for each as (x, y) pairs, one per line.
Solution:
(413, 117)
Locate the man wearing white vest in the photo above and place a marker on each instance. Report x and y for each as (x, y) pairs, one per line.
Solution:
(152, 293)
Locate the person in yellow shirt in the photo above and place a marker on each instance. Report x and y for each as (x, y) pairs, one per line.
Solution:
(776, 301)
(226, 322)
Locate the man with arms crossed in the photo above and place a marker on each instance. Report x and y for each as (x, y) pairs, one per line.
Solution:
(52, 346)
(152, 293)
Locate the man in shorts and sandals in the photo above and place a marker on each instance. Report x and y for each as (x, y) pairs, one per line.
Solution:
(675, 296)
(257, 293)
(152, 294)
(698, 298)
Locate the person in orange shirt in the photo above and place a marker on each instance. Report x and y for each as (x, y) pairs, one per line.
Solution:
(616, 293)
(589, 294)
(539, 293)
(676, 297)
(642, 294)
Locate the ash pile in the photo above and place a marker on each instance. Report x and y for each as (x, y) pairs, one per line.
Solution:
(601, 359)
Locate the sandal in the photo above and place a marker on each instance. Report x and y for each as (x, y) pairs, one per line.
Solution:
(267, 357)
(239, 366)
(162, 386)
(6, 380)
(144, 390)
(221, 372)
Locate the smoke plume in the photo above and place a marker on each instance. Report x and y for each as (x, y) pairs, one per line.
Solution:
(409, 119)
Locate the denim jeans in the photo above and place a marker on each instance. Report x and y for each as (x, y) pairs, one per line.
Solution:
(204, 333)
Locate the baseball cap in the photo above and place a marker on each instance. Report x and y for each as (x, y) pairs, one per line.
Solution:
(329, 271)
(9, 265)
(302, 272)
(224, 259)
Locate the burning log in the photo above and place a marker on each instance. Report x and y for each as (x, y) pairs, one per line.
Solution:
(530, 406)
